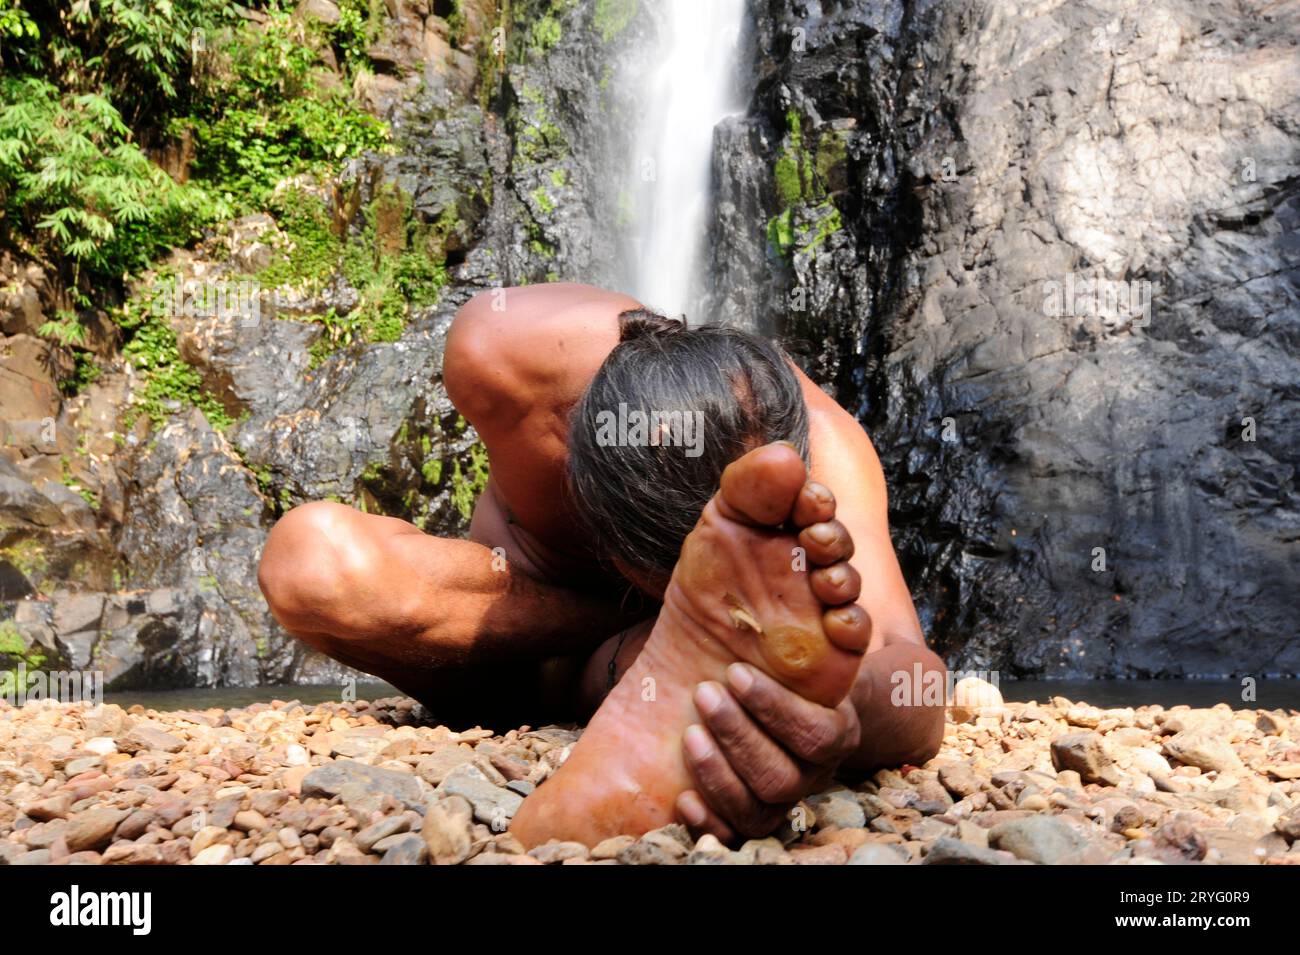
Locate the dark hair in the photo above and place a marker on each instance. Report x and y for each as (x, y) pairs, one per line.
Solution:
(639, 499)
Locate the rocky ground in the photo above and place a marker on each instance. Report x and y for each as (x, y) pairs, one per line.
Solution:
(376, 783)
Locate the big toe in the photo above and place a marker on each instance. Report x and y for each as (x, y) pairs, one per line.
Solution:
(761, 486)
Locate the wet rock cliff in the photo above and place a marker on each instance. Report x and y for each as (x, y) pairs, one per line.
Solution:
(1048, 253)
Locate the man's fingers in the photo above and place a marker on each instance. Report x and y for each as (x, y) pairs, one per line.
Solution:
(811, 732)
(723, 790)
(769, 771)
(699, 818)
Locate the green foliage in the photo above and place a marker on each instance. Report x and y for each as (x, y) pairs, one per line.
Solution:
(262, 115)
(394, 264)
(358, 28)
(313, 251)
(76, 188)
(135, 53)
(170, 383)
(84, 373)
(16, 22)
(65, 328)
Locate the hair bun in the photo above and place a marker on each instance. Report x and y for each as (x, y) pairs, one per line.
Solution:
(642, 323)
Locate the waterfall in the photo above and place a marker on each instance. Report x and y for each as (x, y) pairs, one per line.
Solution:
(691, 84)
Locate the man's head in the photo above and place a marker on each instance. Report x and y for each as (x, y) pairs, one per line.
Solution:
(664, 415)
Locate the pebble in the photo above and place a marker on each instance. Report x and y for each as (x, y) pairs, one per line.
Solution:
(493, 805)
(1088, 755)
(362, 786)
(1203, 750)
(215, 855)
(92, 829)
(376, 832)
(446, 831)
(555, 852)
(875, 853)
(409, 849)
(1038, 838)
(955, 852)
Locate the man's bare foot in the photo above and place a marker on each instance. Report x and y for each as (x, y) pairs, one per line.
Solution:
(763, 578)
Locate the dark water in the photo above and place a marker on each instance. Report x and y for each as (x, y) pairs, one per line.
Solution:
(228, 698)
(1268, 694)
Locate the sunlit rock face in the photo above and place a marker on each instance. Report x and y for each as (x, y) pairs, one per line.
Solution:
(1062, 295)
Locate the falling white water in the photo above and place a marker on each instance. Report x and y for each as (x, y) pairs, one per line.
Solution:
(691, 86)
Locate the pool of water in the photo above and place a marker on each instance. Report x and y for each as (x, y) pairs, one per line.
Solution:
(228, 698)
(1264, 695)
(1268, 694)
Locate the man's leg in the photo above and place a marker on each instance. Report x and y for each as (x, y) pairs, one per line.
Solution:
(448, 621)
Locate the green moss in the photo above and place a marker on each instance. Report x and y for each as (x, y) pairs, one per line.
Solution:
(28, 556)
(827, 225)
(13, 646)
(780, 232)
(802, 181)
(545, 34)
(611, 17)
(11, 641)
(468, 483)
(538, 139)
(543, 200)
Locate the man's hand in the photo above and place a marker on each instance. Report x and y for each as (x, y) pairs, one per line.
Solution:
(764, 748)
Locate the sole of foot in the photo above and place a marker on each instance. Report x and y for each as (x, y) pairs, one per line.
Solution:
(762, 579)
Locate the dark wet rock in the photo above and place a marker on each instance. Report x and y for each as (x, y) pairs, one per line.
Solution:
(992, 149)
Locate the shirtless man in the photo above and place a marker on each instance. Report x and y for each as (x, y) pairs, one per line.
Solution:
(731, 622)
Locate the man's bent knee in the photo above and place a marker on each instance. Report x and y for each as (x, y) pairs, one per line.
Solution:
(301, 573)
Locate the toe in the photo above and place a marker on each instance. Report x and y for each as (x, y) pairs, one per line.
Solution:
(836, 584)
(848, 627)
(826, 543)
(815, 504)
(761, 486)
